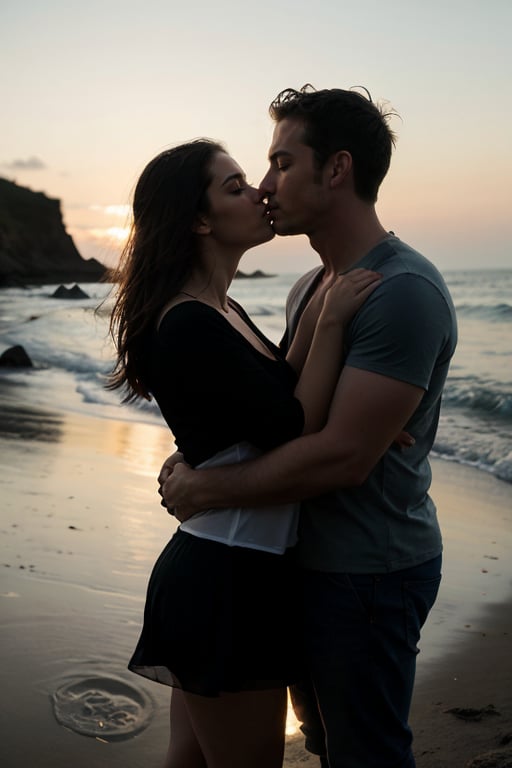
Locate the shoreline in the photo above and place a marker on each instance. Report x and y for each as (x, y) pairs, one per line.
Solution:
(81, 528)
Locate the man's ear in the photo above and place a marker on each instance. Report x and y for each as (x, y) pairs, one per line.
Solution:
(340, 166)
(202, 226)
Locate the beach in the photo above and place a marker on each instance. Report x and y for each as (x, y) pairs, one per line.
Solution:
(80, 529)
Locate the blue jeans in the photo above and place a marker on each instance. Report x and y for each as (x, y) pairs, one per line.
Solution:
(361, 634)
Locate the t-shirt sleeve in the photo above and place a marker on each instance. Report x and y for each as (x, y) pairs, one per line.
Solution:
(401, 331)
(222, 382)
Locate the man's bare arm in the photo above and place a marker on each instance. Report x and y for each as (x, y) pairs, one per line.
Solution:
(367, 412)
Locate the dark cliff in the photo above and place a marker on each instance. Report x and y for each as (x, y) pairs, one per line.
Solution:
(34, 245)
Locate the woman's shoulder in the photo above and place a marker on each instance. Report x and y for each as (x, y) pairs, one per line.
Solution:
(179, 311)
(191, 324)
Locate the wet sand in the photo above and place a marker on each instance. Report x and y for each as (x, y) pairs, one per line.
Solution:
(79, 531)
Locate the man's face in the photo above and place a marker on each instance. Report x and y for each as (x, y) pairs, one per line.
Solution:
(294, 187)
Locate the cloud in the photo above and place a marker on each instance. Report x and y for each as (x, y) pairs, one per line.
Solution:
(112, 210)
(30, 164)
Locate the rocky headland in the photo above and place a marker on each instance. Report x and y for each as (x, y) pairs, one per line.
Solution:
(35, 248)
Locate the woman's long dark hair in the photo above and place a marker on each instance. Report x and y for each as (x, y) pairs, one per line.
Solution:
(160, 254)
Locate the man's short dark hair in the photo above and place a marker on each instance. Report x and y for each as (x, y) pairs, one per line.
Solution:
(334, 120)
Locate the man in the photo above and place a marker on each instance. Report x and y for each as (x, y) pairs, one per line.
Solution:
(370, 544)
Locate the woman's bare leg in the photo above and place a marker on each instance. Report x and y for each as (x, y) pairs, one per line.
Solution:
(239, 730)
(184, 750)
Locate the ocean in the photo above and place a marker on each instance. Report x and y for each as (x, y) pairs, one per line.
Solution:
(68, 343)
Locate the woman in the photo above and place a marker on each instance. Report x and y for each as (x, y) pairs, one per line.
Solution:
(220, 602)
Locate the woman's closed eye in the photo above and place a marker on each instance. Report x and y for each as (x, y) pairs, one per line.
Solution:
(239, 187)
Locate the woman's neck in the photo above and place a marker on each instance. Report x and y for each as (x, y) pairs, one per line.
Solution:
(210, 285)
(212, 302)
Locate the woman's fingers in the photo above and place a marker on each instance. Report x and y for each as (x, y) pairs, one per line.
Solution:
(355, 285)
(359, 279)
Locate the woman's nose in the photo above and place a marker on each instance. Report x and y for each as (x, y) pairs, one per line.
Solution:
(265, 185)
(256, 194)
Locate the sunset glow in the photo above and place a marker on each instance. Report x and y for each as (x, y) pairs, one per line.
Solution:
(84, 128)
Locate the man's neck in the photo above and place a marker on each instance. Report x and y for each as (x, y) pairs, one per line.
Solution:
(346, 240)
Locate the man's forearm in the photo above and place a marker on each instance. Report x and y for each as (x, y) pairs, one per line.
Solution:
(302, 468)
(367, 413)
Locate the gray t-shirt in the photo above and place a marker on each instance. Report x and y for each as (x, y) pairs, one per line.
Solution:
(405, 330)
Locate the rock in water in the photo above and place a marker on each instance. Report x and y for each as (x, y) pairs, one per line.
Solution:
(69, 293)
(15, 357)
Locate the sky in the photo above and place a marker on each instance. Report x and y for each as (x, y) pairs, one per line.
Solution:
(91, 91)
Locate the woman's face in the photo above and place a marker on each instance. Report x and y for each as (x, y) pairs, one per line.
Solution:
(237, 217)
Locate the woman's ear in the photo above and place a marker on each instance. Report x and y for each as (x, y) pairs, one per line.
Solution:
(202, 226)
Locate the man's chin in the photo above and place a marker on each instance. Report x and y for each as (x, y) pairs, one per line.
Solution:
(280, 227)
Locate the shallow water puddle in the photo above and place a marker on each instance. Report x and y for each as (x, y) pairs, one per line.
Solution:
(103, 707)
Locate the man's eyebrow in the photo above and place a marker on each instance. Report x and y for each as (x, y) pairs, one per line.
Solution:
(233, 176)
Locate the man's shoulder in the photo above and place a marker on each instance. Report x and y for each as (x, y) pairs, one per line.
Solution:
(399, 258)
(406, 269)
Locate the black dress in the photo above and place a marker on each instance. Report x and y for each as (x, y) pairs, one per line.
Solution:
(217, 617)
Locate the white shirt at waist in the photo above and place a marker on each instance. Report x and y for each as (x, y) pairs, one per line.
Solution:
(269, 528)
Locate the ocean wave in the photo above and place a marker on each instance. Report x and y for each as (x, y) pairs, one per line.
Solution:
(497, 313)
(502, 469)
(72, 353)
(73, 339)
(254, 310)
(488, 398)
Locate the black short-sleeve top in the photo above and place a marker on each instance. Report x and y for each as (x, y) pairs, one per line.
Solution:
(214, 388)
